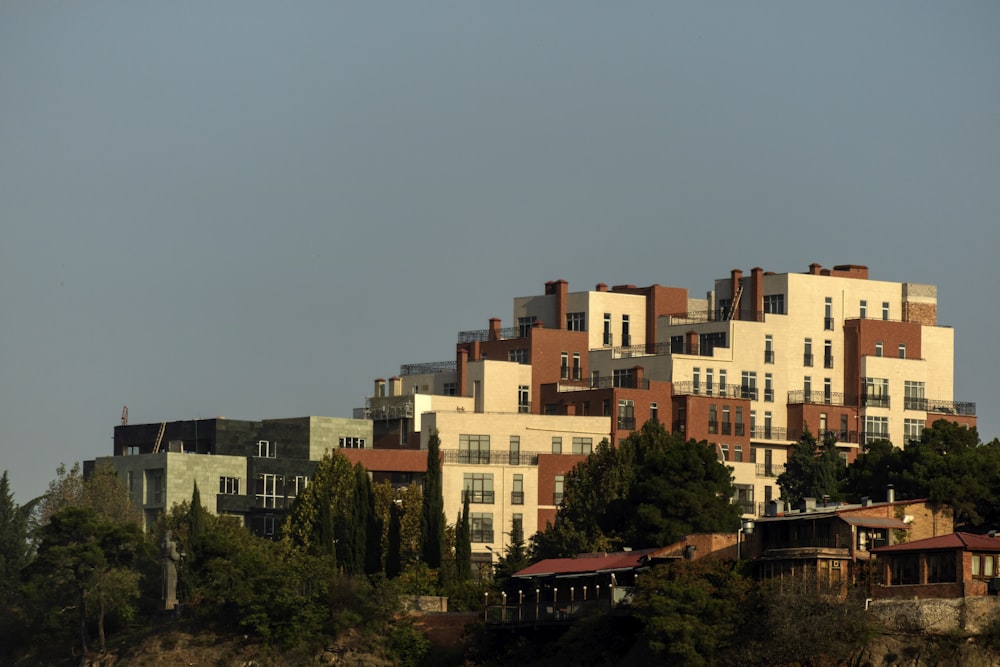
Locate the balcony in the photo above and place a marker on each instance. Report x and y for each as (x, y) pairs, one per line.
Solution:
(875, 401)
(483, 335)
(477, 497)
(746, 506)
(943, 407)
(648, 350)
(767, 433)
(627, 382)
(517, 497)
(626, 423)
(688, 388)
(488, 458)
(769, 469)
(429, 367)
(816, 397)
(383, 408)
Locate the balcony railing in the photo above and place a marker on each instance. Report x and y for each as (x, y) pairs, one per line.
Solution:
(483, 335)
(429, 367)
(769, 469)
(478, 497)
(746, 506)
(626, 423)
(713, 426)
(828, 323)
(524, 407)
(727, 428)
(627, 352)
(628, 382)
(386, 407)
(517, 497)
(807, 359)
(768, 433)
(876, 401)
(488, 458)
(688, 388)
(827, 362)
(944, 407)
(816, 397)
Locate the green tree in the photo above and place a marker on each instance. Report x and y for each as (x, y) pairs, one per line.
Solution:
(319, 519)
(650, 490)
(432, 519)
(197, 519)
(463, 543)
(812, 471)
(514, 558)
(878, 465)
(13, 542)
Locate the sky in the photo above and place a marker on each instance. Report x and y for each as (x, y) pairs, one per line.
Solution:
(253, 209)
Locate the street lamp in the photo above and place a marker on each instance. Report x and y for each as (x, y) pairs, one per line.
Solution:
(746, 528)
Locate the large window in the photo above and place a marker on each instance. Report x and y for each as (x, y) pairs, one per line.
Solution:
(482, 526)
(518, 355)
(347, 442)
(913, 395)
(478, 487)
(576, 321)
(750, 385)
(267, 449)
(876, 428)
(626, 414)
(229, 486)
(583, 445)
(270, 491)
(912, 429)
(524, 325)
(517, 490)
(876, 392)
(623, 377)
(474, 449)
(774, 304)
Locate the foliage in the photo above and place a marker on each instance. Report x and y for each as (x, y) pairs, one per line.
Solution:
(13, 542)
(320, 518)
(812, 470)
(690, 610)
(432, 520)
(650, 490)
(463, 543)
(514, 558)
(407, 644)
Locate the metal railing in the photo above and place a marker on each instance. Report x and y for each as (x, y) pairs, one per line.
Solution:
(689, 388)
(428, 367)
(827, 361)
(746, 506)
(768, 433)
(483, 335)
(876, 401)
(647, 350)
(944, 407)
(385, 407)
(610, 382)
(769, 469)
(627, 423)
(517, 497)
(488, 458)
(816, 397)
(478, 497)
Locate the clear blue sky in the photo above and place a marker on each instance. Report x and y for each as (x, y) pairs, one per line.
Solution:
(253, 209)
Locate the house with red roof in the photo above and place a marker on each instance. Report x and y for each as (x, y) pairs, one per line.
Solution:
(958, 565)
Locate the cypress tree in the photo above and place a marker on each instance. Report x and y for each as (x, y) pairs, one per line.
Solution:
(432, 509)
(197, 520)
(393, 558)
(463, 543)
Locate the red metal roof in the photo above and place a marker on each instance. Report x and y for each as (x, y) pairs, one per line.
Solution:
(963, 541)
(586, 563)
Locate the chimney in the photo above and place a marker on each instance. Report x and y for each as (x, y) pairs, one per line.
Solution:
(395, 386)
(601, 287)
(890, 494)
(691, 342)
(757, 292)
(494, 328)
(379, 387)
(462, 364)
(815, 269)
(561, 288)
(637, 373)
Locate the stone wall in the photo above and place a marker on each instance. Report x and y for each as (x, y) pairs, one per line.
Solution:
(936, 616)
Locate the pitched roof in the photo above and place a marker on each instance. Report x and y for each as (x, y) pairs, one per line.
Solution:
(587, 563)
(873, 521)
(963, 541)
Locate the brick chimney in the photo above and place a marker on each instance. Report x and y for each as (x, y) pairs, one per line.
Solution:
(494, 328)
(691, 342)
(757, 292)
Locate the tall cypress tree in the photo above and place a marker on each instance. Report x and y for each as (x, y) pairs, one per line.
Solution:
(393, 560)
(197, 520)
(432, 510)
(463, 543)
(13, 542)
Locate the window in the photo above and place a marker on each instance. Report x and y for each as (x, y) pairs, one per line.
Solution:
(654, 412)
(807, 385)
(738, 453)
(843, 428)
(750, 385)
(709, 381)
(517, 490)
(297, 484)
(577, 368)
(722, 382)
(517, 524)
(524, 325)
(807, 355)
(626, 414)
(606, 407)
(823, 427)
(713, 419)
(876, 428)
(626, 338)
(827, 354)
(696, 380)
(351, 443)
(984, 565)
(482, 526)
(154, 487)
(132, 450)
(677, 345)
(912, 429)
(266, 449)
(583, 445)
(768, 349)
(557, 444)
(724, 451)
(515, 450)
(564, 365)
(607, 330)
(739, 420)
(576, 321)
(885, 310)
(523, 398)
(878, 348)
(876, 392)
(557, 496)
(474, 449)
(768, 387)
(268, 525)
(229, 486)
(519, 355)
(707, 342)
(863, 310)
(450, 389)
(270, 490)
(767, 425)
(913, 395)
(623, 377)
(478, 488)
(131, 484)
(828, 314)
(727, 426)
(902, 350)
(744, 498)
(774, 304)
(827, 391)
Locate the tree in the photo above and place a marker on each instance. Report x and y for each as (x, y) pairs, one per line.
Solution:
(514, 558)
(463, 543)
(878, 465)
(197, 519)
(13, 542)
(650, 490)
(812, 471)
(432, 519)
(319, 519)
